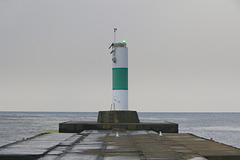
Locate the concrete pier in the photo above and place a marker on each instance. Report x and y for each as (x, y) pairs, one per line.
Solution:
(109, 145)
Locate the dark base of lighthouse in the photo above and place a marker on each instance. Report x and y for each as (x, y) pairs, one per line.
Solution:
(117, 120)
(77, 127)
(118, 117)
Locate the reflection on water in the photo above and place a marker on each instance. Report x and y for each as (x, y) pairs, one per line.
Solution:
(222, 127)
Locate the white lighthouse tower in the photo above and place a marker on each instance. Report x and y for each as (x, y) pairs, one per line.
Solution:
(119, 75)
(119, 112)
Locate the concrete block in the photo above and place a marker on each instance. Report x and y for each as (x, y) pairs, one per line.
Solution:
(118, 117)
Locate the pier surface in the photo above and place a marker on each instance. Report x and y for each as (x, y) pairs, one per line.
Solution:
(109, 145)
(76, 127)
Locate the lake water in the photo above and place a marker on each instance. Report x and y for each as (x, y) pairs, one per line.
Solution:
(222, 127)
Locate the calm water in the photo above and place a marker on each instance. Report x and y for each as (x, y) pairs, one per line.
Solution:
(222, 127)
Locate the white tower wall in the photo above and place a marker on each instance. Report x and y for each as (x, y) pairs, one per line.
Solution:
(120, 76)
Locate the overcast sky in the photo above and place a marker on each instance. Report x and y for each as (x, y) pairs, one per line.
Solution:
(183, 54)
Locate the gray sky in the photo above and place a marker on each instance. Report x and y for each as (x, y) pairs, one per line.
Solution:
(183, 55)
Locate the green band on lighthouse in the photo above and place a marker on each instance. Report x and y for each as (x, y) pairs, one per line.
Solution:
(120, 78)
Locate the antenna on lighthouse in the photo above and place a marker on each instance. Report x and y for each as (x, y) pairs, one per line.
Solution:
(115, 30)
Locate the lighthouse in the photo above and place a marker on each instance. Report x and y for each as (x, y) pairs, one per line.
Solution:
(119, 76)
(119, 111)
